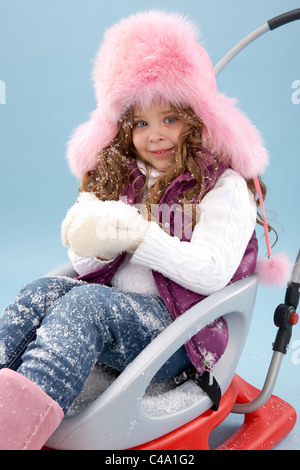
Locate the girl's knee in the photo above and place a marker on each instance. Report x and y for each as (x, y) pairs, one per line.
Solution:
(87, 297)
(97, 292)
(50, 284)
(42, 293)
(37, 284)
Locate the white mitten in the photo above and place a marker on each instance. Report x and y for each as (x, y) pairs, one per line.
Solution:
(86, 203)
(106, 230)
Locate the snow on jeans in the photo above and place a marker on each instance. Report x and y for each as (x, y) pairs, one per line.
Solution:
(58, 328)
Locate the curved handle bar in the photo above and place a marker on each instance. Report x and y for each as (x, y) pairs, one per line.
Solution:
(273, 23)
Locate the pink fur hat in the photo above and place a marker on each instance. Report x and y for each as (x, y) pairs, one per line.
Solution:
(156, 55)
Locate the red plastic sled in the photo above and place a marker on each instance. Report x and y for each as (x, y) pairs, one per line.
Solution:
(261, 430)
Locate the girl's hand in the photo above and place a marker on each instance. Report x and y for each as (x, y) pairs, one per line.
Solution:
(104, 230)
(86, 203)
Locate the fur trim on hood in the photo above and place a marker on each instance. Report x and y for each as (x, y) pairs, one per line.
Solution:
(156, 55)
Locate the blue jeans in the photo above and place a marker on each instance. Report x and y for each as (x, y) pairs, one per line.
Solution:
(58, 328)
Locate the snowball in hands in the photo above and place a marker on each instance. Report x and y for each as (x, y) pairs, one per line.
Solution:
(102, 229)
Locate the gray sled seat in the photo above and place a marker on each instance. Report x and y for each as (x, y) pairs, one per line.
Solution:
(129, 412)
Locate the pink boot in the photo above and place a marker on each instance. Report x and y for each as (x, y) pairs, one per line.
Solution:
(28, 416)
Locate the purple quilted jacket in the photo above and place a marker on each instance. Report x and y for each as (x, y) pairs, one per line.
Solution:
(207, 346)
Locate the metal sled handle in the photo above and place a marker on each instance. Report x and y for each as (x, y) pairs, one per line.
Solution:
(270, 25)
(285, 318)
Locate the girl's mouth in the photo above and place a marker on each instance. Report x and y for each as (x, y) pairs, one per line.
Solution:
(162, 153)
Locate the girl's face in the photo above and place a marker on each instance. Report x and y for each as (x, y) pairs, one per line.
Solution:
(156, 132)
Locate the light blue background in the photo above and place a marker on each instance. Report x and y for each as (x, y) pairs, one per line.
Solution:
(46, 53)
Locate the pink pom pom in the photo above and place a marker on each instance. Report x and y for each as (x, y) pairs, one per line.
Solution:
(273, 271)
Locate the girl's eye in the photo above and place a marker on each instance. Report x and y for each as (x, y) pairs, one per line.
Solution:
(171, 119)
(141, 124)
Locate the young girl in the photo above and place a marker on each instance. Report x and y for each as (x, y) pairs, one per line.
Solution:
(165, 216)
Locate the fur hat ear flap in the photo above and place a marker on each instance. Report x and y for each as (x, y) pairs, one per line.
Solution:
(232, 137)
(88, 139)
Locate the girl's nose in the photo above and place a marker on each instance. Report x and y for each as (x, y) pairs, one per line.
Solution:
(156, 136)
